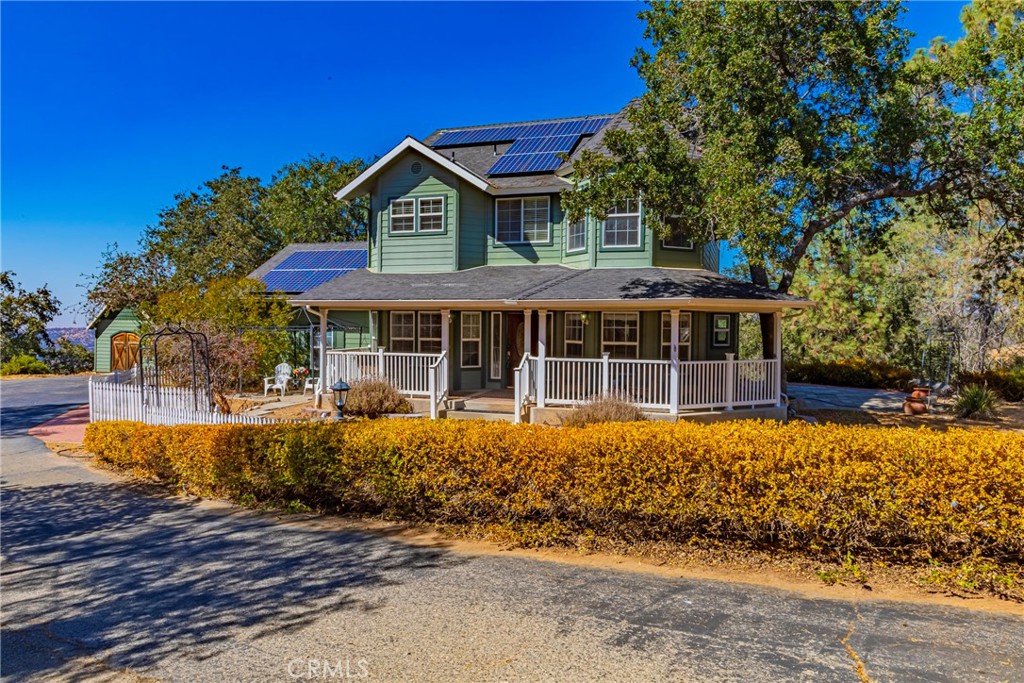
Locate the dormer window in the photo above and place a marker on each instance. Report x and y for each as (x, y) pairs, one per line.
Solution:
(622, 226)
(423, 214)
(522, 220)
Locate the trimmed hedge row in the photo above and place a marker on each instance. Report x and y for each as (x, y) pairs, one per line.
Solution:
(896, 493)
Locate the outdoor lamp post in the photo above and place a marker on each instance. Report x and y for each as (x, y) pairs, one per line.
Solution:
(340, 389)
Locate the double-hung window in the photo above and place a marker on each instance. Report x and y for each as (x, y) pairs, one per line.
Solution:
(471, 327)
(576, 237)
(622, 226)
(620, 335)
(403, 215)
(684, 336)
(429, 329)
(422, 214)
(677, 237)
(574, 335)
(721, 329)
(522, 220)
(403, 331)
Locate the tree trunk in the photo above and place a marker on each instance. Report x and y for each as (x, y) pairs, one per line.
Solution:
(759, 276)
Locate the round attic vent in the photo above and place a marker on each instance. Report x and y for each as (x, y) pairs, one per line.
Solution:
(417, 168)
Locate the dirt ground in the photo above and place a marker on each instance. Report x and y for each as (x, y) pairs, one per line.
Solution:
(50, 375)
(1010, 418)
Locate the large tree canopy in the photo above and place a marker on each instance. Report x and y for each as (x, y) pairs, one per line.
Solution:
(24, 316)
(768, 124)
(226, 228)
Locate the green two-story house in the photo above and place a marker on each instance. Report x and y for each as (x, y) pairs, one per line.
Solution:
(476, 282)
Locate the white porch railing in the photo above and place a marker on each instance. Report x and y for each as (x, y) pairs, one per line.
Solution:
(437, 383)
(709, 384)
(525, 386)
(409, 372)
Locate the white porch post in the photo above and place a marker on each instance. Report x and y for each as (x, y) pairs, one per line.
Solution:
(527, 332)
(542, 354)
(322, 386)
(777, 334)
(373, 331)
(445, 327)
(730, 380)
(673, 387)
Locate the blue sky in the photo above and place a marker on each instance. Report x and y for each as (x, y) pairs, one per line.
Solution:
(109, 109)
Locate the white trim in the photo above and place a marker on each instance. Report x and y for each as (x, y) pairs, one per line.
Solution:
(568, 233)
(522, 220)
(639, 227)
(464, 316)
(391, 214)
(635, 316)
(689, 303)
(391, 330)
(441, 213)
(352, 190)
(497, 344)
(715, 330)
(667, 315)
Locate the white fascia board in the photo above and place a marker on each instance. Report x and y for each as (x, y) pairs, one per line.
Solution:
(352, 190)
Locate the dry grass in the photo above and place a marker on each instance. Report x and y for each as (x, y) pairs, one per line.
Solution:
(604, 409)
(1011, 418)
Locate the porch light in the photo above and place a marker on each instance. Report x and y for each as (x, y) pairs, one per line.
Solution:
(585, 318)
(340, 389)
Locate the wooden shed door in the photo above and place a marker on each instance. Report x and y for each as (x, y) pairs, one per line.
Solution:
(124, 351)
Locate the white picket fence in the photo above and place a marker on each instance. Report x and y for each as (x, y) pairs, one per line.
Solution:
(112, 400)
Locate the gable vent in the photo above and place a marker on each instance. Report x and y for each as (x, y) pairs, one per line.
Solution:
(417, 168)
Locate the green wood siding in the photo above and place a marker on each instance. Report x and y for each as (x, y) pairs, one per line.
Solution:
(476, 224)
(414, 252)
(123, 321)
(677, 258)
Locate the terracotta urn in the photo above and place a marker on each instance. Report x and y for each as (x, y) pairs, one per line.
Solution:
(920, 392)
(915, 406)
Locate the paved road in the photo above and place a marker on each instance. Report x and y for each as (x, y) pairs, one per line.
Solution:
(106, 582)
(818, 396)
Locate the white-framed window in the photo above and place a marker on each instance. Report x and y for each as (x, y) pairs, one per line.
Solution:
(403, 215)
(431, 214)
(576, 237)
(403, 331)
(496, 357)
(620, 334)
(525, 219)
(429, 329)
(622, 226)
(573, 335)
(677, 237)
(470, 338)
(721, 329)
(684, 336)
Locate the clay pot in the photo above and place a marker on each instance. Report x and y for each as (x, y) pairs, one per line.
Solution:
(914, 406)
(920, 392)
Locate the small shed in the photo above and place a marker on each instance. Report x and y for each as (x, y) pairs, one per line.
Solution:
(117, 340)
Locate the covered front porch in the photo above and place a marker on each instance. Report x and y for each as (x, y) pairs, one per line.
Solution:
(668, 362)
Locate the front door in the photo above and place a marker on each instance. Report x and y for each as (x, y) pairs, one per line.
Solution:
(515, 329)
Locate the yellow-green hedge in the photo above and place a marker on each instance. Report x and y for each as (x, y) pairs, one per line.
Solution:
(896, 492)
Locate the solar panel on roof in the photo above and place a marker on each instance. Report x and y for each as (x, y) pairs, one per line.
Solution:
(304, 270)
(476, 136)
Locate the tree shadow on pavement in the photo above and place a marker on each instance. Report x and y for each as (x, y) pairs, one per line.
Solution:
(103, 568)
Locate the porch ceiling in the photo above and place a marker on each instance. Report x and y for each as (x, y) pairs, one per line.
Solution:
(551, 287)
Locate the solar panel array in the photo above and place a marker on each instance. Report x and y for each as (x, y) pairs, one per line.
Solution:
(304, 270)
(535, 146)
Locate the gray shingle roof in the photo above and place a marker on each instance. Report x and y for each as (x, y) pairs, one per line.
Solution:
(542, 283)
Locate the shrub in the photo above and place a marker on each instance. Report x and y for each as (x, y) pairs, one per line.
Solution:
(855, 372)
(67, 357)
(1008, 382)
(976, 400)
(24, 364)
(604, 409)
(825, 489)
(373, 397)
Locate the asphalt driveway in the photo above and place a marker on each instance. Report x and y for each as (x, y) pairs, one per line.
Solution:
(103, 580)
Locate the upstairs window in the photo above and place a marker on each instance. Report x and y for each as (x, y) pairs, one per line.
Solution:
(403, 215)
(677, 236)
(423, 214)
(576, 237)
(522, 220)
(622, 226)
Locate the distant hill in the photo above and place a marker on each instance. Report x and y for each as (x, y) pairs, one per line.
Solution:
(79, 335)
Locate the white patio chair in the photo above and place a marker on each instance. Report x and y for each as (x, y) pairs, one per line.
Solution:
(310, 383)
(282, 375)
